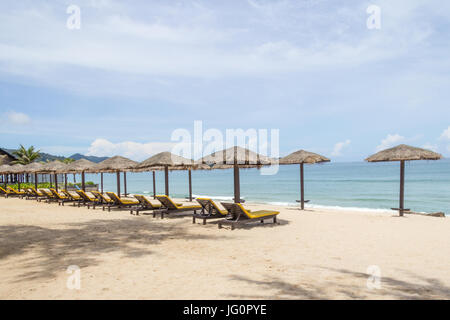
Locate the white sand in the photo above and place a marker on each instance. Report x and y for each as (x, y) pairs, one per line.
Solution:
(313, 254)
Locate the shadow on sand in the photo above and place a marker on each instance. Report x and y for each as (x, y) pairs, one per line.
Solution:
(81, 243)
(419, 288)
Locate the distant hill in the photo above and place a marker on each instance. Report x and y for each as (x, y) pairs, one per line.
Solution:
(43, 156)
(78, 156)
(49, 157)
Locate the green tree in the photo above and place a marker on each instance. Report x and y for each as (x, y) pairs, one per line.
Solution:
(26, 156)
(67, 160)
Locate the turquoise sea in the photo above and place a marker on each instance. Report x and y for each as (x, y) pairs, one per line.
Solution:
(340, 185)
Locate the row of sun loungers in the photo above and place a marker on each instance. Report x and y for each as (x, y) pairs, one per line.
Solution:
(206, 209)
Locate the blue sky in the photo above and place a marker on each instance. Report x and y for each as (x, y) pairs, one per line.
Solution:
(138, 70)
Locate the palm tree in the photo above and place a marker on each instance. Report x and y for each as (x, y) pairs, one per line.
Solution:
(26, 156)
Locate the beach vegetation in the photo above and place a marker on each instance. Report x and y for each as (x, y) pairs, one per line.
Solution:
(26, 155)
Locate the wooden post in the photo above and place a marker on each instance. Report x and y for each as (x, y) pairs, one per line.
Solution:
(237, 187)
(56, 182)
(101, 182)
(36, 180)
(65, 181)
(18, 182)
(190, 185)
(302, 188)
(125, 183)
(166, 178)
(154, 186)
(118, 183)
(402, 187)
(83, 182)
(50, 179)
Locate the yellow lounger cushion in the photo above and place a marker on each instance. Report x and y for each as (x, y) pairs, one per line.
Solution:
(257, 214)
(15, 191)
(179, 205)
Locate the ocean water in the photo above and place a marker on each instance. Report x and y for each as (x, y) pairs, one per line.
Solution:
(369, 186)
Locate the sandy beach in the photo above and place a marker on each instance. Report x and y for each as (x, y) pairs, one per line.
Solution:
(314, 254)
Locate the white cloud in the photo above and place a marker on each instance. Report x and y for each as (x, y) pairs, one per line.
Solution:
(390, 141)
(193, 40)
(18, 118)
(430, 146)
(133, 150)
(445, 134)
(337, 151)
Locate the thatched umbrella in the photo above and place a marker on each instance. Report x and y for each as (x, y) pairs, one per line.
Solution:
(301, 157)
(35, 168)
(116, 164)
(169, 161)
(236, 157)
(79, 166)
(54, 167)
(5, 169)
(403, 153)
(18, 170)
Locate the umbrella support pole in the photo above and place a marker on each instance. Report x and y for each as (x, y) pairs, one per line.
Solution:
(125, 183)
(190, 185)
(154, 185)
(302, 188)
(166, 178)
(83, 182)
(237, 191)
(402, 188)
(118, 183)
(56, 182)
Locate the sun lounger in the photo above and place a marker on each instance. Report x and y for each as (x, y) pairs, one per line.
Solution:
(12, 192)
(48, 196)
(144, 204)
(74, 197)
(168, 206)
(60, 198)
(4, 192)
(240, 215)
(33, 193)
(85, 199)
(102, 200)
(118, 202)
(210, 210)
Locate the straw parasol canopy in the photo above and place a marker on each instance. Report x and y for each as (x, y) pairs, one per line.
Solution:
(236, 157)
(79, 166)
(301, 157)
(168, 161)
(5, 168)
(17, 168)
(116, 164)
(403, 153)
(54, 166)
(33, 167)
